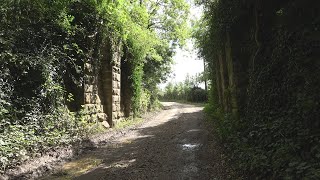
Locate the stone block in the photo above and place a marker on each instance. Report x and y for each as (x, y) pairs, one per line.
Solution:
(93, 108)
(115, 123)
(97, 99)
(94, 117)
(102, 117)
(116, 85)
(105, 124)
(115, 59)
(89, 79)
(115, 98)
(116, 92)
(117, 62)
(89, 88)
(115, 115)
(115, 107)
(89, 108)
(90, 98)
(116, 69)
(99, 108)
(87, 98)
(88, 68)
(116, 77)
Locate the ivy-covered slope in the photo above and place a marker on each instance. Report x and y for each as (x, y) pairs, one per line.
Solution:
(265, 72)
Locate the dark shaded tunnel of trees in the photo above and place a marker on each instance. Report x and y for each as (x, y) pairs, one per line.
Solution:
(67, 65)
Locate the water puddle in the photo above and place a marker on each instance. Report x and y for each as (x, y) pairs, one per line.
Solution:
(74, 168)
(190, 147)
(194, 130)
(121, 164)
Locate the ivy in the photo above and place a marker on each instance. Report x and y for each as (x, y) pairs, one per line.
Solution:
(43, 46)
(273, 52)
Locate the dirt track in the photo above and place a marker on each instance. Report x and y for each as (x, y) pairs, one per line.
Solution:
(175, 144)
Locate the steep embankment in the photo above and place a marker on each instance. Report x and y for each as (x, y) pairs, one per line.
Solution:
(263, 57)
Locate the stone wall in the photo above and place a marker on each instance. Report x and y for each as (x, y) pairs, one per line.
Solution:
(116, 81)
(102, 86)
(92, 102)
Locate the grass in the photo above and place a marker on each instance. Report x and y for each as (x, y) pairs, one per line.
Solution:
(98, 128)
(127, 122)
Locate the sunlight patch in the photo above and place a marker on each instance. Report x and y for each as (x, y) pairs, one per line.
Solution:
(75, 168)
(121, 164)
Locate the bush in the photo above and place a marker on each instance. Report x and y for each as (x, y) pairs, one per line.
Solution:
(196, 94)
(36, 59)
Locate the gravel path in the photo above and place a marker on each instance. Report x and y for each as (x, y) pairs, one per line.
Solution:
(174, 144)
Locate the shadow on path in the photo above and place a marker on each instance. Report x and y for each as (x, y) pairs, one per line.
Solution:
(174, 149)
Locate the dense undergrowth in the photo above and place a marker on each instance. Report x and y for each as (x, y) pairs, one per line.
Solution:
(36, 51)
(186, 91)
(263, 56)
(43, 46)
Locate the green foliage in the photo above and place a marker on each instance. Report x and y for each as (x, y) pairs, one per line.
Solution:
(151, 37)
(274, 57)
(223, 122)
(39, 57)
(43, 46)
(39, 134)
(33, 115)
(185, 91)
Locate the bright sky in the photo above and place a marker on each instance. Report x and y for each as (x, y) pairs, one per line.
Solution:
(186, 60)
